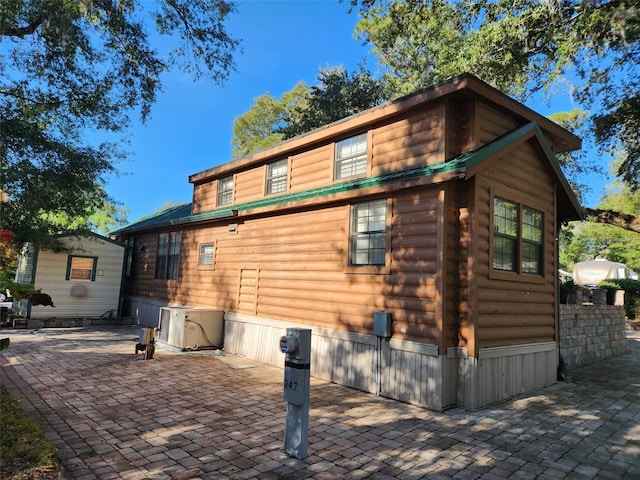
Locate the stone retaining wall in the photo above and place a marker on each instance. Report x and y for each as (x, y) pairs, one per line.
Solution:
(590, 333)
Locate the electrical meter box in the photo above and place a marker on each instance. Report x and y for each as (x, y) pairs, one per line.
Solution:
(382, 324)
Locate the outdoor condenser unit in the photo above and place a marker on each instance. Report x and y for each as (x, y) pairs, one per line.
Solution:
(189, 328)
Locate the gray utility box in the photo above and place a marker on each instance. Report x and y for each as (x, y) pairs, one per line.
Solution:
(382, 324)
(190, 328)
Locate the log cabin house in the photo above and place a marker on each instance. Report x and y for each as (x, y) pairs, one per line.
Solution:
(437, 212)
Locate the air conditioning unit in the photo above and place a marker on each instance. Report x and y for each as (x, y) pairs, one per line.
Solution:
(190, 328)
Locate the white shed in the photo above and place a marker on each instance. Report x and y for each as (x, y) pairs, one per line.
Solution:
(592, 272)
(84, 280)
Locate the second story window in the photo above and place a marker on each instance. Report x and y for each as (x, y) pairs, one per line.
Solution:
(225, 191)
(277, 177)
(351, 157)
(168, 257)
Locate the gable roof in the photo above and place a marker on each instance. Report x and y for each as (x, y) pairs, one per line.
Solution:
(463, 166)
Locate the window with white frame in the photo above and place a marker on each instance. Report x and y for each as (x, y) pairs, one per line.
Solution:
(225, 190)
(517, 237)
(277, 177)
(368, 233)
(168, 255)
(351, 157)
(206, 254)
(81, 268)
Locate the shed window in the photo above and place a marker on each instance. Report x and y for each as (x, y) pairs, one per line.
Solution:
(206, 254)
(368, 233)
(351, 157)
(277, 177)
(168, 256)
(225, 190)
(517, 237)
(81, 268)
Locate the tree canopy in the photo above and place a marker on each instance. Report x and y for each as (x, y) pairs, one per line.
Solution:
(338, 94)
(521, 47)
(71, 69)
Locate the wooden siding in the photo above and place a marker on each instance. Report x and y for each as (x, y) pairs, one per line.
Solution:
(511, 308)
(204, 197)
(312, 168)
(249, 185)
(293, 268)
(415, 140)
(102, 295)
(461, 128)
(492, 123)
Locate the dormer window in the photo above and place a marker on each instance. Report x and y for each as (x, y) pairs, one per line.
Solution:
(351, 157)
(277, 176)
(225, 191)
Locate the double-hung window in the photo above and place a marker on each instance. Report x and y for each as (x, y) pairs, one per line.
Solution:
(168, 256)
(277, 177)
(517, 238)
(225, 191)
(206, 254)
(368, 233)
(351, 157)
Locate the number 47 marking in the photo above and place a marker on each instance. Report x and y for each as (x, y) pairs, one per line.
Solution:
(290, 384)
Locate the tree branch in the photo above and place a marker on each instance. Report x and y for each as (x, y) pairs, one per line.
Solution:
(617, 219)
(22, 32)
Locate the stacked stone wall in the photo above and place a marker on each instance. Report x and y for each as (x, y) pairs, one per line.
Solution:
(590, 333)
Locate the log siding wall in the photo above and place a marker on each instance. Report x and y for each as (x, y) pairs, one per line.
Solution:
(292, 268)
(515, 308)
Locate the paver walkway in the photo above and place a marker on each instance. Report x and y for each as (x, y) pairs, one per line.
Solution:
(207, 416)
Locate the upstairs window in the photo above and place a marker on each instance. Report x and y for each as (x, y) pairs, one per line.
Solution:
(517, 238)
(351, 157)
(277, 176)
(81, 268)
(225, 191)
(168, 257)
(368, 233)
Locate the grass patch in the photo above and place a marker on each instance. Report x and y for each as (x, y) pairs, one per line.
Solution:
(24, 452)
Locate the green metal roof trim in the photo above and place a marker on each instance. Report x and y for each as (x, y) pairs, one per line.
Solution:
(181, 215)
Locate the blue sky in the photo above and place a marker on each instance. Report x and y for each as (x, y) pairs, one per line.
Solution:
(191, 124)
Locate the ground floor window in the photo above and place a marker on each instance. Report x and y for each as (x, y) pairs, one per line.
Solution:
(168, 256)
(368, 233)
(517, 237)
(81, 268)
(206, 254)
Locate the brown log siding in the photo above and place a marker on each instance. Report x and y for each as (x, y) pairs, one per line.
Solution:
(204, 197)
(312, 169)
(492, 123)
(517, 309)
(249, 185)
(415, 140)
(293, 268)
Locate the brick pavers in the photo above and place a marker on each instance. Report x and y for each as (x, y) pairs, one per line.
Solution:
(204, 416)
